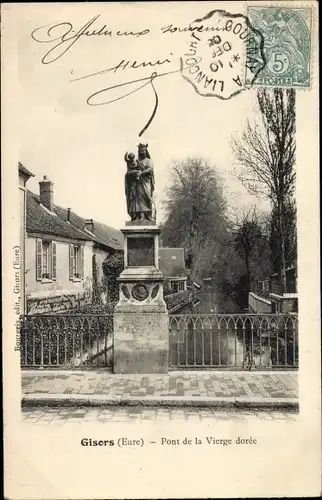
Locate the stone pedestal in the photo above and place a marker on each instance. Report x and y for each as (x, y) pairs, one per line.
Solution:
(141, 334)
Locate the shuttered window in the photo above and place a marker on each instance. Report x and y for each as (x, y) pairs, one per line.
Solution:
(46, 260)
(38, 260)
(71, 261)
(54, 260)
(76, 262)
(82, 262)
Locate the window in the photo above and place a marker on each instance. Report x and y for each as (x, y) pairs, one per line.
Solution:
(177, 286)
(45, 260)
(76, 262)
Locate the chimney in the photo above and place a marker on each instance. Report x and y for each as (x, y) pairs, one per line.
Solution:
(68, 214)
(46, 192)
(89, 225)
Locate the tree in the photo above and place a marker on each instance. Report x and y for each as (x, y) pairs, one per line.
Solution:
(290, 243)
(195, 211)
(96, 287)
(112, 268)
(247, 238)
(252, 244)
(266, 153)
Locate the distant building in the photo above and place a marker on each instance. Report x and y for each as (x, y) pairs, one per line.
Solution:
(172, 265)
(63, 251)
(284, 301)
(268, 296)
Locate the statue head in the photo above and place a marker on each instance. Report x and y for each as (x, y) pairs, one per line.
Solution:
(143, 151)
(129, 158)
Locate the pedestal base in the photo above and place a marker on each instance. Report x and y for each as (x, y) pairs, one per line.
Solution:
(141, 332)
(141, 342)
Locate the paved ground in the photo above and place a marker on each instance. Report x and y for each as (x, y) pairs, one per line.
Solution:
(103, 387)
(61, 416)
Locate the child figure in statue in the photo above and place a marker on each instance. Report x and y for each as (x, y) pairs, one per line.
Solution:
(132, 164)
(131, 178)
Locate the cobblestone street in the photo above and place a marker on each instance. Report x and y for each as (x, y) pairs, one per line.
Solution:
(186, 384)
(61, 416)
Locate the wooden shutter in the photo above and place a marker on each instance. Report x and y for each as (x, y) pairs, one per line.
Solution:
(71, 261)
(82, 261)
(38, 260)
(53, 260)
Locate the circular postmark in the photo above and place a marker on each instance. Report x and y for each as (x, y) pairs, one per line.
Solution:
(140, 291)
(218, 55)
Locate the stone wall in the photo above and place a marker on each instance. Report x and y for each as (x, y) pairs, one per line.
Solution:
(259, 305)
(177, 301)
(288, 303)
(56, 303)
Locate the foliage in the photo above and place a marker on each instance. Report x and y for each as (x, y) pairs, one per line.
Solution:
(96, 287)
(290, 241)
(112, 268)
(251, 242)
(195, 210)
(266, 154)
(97, 308)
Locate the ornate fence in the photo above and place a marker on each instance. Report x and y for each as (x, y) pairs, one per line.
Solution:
(236, 341)
(58, 340)
(241, 341)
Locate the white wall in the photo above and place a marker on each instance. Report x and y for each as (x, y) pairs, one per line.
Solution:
(258, 304)
(62, 284)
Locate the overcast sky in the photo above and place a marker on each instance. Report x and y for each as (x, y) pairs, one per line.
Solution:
(80, 147)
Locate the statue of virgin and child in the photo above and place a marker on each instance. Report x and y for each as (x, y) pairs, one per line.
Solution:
(139, 185)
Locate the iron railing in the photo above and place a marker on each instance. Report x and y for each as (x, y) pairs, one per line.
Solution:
(66, 340)
(237, 341)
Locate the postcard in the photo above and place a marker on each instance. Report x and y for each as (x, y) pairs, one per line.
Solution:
(160, 186)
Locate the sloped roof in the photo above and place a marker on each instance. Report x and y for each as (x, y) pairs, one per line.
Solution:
(171, 262)
(105, 235)
(40, 220)
(109, 236)
(24, 171)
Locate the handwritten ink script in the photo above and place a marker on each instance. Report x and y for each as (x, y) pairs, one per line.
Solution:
(63, 36)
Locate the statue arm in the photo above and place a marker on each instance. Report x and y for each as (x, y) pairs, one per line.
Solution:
(147, 169)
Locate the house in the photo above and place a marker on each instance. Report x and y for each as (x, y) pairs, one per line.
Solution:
(284, 301)
(63, 253)
(24, 176)
(172, 265)
(106, 241)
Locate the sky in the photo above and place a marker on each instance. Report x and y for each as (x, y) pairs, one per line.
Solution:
(80, 147)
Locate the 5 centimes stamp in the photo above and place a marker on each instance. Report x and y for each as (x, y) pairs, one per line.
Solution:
(216, 56)
(287, 45)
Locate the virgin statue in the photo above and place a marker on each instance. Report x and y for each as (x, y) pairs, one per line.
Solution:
(139, 184)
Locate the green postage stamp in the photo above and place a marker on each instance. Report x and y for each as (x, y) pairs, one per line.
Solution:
(287, 45)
